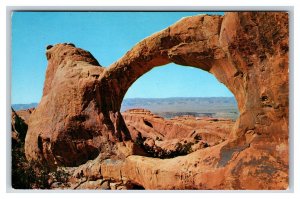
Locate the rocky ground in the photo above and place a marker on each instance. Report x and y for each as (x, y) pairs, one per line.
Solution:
(166, 138)
(156, 136)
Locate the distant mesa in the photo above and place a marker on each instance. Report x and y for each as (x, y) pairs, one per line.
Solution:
(178, 106)
(24, 106)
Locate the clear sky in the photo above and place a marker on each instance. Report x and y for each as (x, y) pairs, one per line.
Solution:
(108, 36)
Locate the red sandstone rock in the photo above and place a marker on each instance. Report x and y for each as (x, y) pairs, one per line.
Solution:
(66, 128)
(18, 128)
(185, 129)
(25, 114)
(246, 51)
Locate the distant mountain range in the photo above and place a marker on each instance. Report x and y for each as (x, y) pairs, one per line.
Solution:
(17, 107)
(176, 106)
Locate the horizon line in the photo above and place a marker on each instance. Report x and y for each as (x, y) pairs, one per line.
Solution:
(144, 98)
(177, 97)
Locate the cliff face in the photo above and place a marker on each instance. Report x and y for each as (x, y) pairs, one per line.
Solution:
(79, 114)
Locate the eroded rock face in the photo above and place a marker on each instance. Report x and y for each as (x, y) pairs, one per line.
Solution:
(67, 127)
(170, 135)
(247, 51)
(18, 128)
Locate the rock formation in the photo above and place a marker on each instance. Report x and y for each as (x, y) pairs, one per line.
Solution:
(79, 114)
(25, 114)
(168, 135)
(67, 127)
(18, 128)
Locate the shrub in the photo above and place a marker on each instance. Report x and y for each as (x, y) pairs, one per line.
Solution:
(158, 152)
(197, 137)
(34, 175)
(31, 175)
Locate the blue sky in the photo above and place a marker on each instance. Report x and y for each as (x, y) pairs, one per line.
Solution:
(108, 36)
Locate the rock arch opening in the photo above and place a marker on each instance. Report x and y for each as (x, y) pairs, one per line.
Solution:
(174, 90)
(175, 126)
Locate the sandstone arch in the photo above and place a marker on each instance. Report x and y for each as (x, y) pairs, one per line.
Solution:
(247, 51)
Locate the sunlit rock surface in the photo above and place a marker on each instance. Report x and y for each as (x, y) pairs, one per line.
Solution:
(79, 115)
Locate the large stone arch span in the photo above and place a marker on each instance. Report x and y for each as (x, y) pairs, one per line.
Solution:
(178, 44)
(192, 41)
(247, 51)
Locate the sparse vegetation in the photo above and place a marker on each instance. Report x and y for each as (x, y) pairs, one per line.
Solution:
(158, 152)
(31, 175)
(197, 137)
